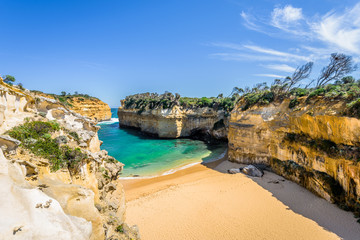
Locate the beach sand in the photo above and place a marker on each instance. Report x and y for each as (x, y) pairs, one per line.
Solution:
(204, 202)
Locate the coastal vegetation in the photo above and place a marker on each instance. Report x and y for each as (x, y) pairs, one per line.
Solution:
(66, 98)
(332, 83)
(36, 136)
(167, 100)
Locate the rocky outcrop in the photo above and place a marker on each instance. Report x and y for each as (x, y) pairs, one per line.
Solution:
(86, 202)
(312, 144)
(204, 123)
(29, 213)
(91, 107)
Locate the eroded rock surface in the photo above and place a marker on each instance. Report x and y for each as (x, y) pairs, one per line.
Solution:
(85, 201)
(312, 144)
(204, 123)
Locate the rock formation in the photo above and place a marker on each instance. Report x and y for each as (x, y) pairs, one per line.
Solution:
(82, 202)
(312, 144)
(90, 107)
(204, 123)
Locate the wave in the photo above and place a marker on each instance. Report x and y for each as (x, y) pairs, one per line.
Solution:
(112, 121)
(171, 171)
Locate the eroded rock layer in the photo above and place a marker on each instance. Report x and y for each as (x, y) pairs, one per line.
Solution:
(91, 107)
(204, 123)
(40, 202)
(312, 144)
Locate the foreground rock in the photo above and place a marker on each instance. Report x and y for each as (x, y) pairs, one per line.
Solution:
(249, 170)
(84, 201)
(87, 106)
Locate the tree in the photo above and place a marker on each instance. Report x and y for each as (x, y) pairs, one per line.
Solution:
(63, 93)
(300, 73)
(340, 65)
(348, 79)
(20, 85)
(237, 90)
(9, 79)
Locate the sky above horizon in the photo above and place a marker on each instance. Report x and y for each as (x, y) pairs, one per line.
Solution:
(111, 49)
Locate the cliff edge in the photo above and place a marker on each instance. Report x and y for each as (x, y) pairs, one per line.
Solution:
(312, 144)
(55, 181)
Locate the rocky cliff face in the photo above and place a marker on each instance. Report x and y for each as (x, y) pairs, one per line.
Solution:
(86, 202)
(176, 122)
(311, 144)
(91, 107)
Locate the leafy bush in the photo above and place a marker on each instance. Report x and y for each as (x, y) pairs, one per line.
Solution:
(168, 100)
(299, 92)
(260, 97)
(293, 102)
(119, 229)
(34, 130)
(36, 136)
(75, 135)
(353, 109)
(317, 92)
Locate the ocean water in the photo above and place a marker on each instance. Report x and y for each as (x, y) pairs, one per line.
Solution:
(145, 156)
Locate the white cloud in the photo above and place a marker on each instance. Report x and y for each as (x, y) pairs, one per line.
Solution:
(255, 53)
(269, 75)
(249, 22)
(247, 57)
(341, 31)
(276, 53)
(314, 38)
(286, 15)
(280, 67)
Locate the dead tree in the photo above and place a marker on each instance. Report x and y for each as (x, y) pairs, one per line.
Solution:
(339, 66)
(300, 73)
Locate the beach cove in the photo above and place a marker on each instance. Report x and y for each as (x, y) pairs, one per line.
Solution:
(204, 202)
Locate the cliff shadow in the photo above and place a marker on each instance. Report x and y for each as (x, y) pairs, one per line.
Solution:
(301, 201)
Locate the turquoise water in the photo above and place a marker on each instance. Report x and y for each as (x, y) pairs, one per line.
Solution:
(145, 156)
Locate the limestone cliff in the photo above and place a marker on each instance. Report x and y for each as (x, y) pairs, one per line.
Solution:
(82, 202)
(90, 107)
(177, 122)
(312, 144)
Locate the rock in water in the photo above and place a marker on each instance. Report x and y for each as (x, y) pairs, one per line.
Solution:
(251, 170)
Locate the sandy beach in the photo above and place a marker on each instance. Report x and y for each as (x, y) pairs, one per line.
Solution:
(204, 202)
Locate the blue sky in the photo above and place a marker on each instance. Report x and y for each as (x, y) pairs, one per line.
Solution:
(113, 48)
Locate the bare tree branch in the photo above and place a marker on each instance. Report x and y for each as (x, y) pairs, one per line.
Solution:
(339, 66)
(300, 73)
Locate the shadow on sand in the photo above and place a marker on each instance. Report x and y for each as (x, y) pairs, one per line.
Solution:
(301, 201)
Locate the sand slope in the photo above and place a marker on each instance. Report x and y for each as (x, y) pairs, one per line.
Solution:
(201, 203)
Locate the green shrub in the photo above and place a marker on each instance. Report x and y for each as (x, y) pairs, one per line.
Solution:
(120, 229)
(34, 130)
(36, 136)
(293, 102)
(317, 92)
(299, 92)
(353, 109)
(75, 135)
